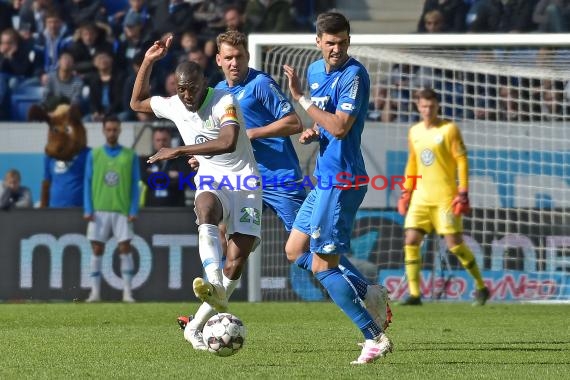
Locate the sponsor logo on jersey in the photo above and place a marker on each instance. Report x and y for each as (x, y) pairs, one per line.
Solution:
(314, 86)
(202, 139)
(240, 94)
(321, 101)
(354, 87)
(286, 107)
(111, 178)
(347, 106)
(427, 157)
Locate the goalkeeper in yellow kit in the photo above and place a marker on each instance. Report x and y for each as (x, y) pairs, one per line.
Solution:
(438, 159)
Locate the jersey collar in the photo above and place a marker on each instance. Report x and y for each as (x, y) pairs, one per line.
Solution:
(207, 98)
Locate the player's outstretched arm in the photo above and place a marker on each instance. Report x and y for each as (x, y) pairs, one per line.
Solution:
(225, 143)
(288, 125)
(140, 97)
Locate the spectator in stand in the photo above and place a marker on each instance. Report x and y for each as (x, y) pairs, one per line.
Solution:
(180, 19)
(164, 194)
(188, 41)
(170, 85)
(105, 89)
(129, 114)
(15, 66)
(134, 39)
(211, 71)
(12, 193)
(116, 20)
(269, 16)
(89, 38)
(82, 11)
(52, 42)
(33, 12)
(552, 16)
(10, 14)
(434, 21)
(234, 18)
(453, 12)
(484, 16)
(517, 16)
(63, 85)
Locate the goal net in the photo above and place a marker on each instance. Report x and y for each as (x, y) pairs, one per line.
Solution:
(509, 95)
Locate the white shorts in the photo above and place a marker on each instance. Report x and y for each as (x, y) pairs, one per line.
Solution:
(242, 210)
(105, 223)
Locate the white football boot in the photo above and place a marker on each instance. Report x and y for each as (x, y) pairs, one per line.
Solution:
(196, 339)
(374, 349)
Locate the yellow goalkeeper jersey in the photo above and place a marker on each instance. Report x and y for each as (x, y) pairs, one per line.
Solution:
(435, 154)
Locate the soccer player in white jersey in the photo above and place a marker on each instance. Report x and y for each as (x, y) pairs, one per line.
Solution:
(211, 125)
(340, 89)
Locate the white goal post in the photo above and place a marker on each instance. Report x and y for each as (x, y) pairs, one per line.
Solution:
(510, 95)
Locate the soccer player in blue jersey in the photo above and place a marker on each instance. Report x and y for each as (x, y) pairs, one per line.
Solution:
(339, 90)
(270, 119)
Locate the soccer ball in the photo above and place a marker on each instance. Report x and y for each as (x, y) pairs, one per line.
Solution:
(224, 334)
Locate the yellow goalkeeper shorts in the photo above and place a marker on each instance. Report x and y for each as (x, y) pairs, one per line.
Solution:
(438, 217)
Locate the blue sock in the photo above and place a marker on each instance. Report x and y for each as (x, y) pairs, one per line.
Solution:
(354, 276)
(345, 296)
(360, 283)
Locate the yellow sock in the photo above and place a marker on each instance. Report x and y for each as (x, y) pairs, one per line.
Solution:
(413, 263)
(467, 259)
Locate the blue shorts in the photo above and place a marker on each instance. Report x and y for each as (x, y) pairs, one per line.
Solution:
(327, 217)
(285, 204)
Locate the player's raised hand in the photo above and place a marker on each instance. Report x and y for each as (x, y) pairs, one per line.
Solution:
(294, 82)
(163, 154)
(159, 49)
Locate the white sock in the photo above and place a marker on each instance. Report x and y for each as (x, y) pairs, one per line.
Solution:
(205, 311)
(230, 285)
(96, 274)
(210, 251)
(127, 268)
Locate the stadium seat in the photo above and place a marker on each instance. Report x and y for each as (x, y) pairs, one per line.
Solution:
(21, 100)
(114, 6)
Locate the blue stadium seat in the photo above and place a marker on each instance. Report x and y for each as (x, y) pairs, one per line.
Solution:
(113, 6)
(21, 100)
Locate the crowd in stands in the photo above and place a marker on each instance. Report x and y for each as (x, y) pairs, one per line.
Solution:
(85, 51)
(471, 95)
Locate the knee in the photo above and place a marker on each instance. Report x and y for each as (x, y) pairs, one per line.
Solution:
(292, 252)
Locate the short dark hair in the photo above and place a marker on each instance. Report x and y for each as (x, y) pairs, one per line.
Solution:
(427, 94)
(189, 68)
(332, 23)
(111, 118)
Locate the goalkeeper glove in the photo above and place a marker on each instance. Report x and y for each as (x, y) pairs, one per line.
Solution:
(404, 202)
(460, 204)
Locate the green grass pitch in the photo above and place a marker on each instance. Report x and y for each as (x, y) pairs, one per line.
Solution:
(284, 341)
